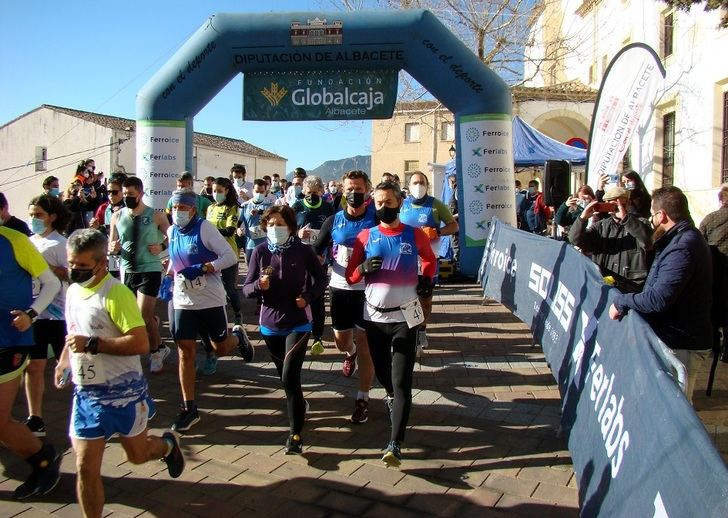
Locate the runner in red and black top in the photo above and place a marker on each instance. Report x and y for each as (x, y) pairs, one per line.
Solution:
(385, 256)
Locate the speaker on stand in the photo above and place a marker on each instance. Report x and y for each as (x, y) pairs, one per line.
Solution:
(556, 181)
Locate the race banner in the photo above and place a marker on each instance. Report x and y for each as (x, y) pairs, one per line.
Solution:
(626, 94)
(486, 161)
(637, 446)
(319, 95)
(160, 158)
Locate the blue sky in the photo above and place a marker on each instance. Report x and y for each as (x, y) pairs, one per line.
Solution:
(96, 55)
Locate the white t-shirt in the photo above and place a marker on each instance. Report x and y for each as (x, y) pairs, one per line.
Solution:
(53, 249)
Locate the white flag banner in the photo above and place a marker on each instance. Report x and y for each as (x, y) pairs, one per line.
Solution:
(628, 90)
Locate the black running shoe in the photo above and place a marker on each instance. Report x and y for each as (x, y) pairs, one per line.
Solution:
(186, 419)
(294, 445)
(36, 425)
(244, 346)
(43, 479)
(175, 460)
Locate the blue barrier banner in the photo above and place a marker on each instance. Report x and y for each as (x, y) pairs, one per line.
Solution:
(637, 446)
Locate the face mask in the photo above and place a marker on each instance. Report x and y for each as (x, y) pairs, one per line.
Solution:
(388, 214)
(333, 190)
(54, 191)
(531, 190)
(81, 276)
(220, 197)
(419, 191)
(239, 182)
(313, 199)
(131, 202)
(181, 218)
(37, 226)
(355, 199)
(298, 191)
(582, 203)
(258, 197)
(278, 235)
(629, 186)
(275, 184)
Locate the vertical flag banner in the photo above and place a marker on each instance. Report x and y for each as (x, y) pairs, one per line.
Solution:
(486, 148)
(160, 158)
(628, 88)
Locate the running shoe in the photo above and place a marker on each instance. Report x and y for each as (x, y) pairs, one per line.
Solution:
(392, 455)
(209, 367)
(317, 347)
(238, 319)
(361, 412)
(349, 365)
(244, 346)
(389, 401)
(294, 445)
(174, 459)
(43, 479)
(156, 359)
(36, 425)
(186, 419)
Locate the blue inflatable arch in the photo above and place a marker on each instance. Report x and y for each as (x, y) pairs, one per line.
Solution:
(413, 40)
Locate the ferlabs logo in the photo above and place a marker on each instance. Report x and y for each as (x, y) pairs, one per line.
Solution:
(274, 94)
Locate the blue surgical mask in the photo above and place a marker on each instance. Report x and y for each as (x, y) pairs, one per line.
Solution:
(531, 190)
(54, 191)
(37, 226)
(181, 218)
(629, 186)
(219, 197)
(258, 197)
(278, 235)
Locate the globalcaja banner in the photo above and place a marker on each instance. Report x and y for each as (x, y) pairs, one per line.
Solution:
(320, 95)
(486, 161)
(637, 446)
(626, 94)
(160, 158)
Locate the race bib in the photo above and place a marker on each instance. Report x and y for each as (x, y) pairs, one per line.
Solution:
(313, 234)
(186, 285)
(343, 254)
(413, 313)
(87, 369)
(114, 263)
(256, 232)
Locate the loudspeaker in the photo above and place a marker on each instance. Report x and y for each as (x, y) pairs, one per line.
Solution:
(556, 182)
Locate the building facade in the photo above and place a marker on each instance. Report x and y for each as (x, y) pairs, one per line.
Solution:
(52, 140)
(685, 143)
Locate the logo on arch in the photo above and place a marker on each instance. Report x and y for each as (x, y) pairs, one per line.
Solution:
(274, 94)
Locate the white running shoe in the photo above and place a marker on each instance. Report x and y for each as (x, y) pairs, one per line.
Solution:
(156, 359)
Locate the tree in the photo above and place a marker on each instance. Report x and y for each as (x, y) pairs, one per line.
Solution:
(710, 5)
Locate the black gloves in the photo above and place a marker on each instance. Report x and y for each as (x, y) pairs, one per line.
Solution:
(370, 265)
(424, 286)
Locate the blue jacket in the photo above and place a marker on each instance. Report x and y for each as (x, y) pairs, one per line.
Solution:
(676, 298)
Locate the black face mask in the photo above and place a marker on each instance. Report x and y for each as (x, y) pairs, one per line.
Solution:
(131, 202)
(313, 199)
(388, 214)
(355, 199)
(81, 275)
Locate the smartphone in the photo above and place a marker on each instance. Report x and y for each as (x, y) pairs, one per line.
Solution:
(605, 206)
(613, 178)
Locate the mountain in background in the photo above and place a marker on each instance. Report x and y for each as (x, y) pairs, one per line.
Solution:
(334, 169)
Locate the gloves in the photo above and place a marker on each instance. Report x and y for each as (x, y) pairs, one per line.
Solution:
(424, 287)
(370, 265)
(165, 290)
(192, 272)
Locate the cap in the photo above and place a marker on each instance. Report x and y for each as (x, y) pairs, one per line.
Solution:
(615, 192)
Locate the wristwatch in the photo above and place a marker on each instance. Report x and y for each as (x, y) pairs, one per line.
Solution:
(92, 345)
(33, 314)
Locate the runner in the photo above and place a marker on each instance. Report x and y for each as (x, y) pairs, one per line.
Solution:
(289, 276)
(197, 255)
(20, 262)
(386, 258)
(138, 233)
(347, 301)
(106, 336)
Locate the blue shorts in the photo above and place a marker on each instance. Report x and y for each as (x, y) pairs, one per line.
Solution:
(92, 420)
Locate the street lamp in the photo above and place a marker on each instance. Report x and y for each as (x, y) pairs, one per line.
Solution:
(452, 151)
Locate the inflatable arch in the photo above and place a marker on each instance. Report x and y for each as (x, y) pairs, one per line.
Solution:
(260, 45)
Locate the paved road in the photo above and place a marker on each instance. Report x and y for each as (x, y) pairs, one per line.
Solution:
(481, 440)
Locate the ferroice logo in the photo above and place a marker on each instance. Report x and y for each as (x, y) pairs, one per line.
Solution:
(274, 94)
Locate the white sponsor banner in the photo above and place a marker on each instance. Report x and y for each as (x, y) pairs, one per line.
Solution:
(486, 158)
(160, 158)
(628, 90)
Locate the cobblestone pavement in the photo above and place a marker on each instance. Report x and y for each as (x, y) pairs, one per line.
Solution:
(481, 440)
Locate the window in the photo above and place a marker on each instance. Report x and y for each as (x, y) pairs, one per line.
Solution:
(724, 146)
(667, 34)
(41, 158)
(411, 166)
(447, 131)
(412, 132)
(592, 74)
(668, 149)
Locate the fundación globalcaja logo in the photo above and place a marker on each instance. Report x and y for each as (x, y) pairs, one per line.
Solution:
(274, 94)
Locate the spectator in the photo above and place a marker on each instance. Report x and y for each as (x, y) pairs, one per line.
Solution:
(676, 297)
(453, 206)
(11, 221)
(276, 187)
(618, 243)
(102, 218)
(571, 209)
(639, 199)
(51, 186)
(535, 214)
(294, 192)
(520, 202)
(207, 189)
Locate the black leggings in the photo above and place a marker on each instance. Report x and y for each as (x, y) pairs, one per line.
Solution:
(288, 353)
(230, 281)
(318, 315)
(393, 349)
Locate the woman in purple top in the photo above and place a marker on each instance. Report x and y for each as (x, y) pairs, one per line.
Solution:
(288, 276)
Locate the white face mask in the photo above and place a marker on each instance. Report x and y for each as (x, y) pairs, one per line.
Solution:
(181, 218)
(333, 190)
(278, 235)
(258, 197)
(418, 191)
(239, 182)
